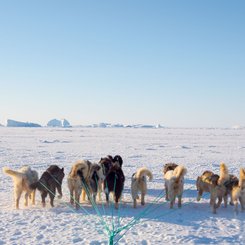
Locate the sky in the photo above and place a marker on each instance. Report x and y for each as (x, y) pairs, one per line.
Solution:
(177, 63)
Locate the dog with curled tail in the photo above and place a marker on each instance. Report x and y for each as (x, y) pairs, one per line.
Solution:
(139, 184)
(238, 191)
(174, 184)
(22, 179)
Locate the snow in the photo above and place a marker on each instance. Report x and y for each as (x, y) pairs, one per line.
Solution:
(198, 149)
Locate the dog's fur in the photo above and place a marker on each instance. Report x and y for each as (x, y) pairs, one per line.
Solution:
(169, 166)
(215, 185)
(50, 180)
(238, 191)
(203, 183)
(74, 180)
(114, 182)
(106, 163)
(139, 183)
(22, 179)
(174, 184)
(90, 187)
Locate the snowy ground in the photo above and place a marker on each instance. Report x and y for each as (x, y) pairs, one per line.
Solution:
(197, 149)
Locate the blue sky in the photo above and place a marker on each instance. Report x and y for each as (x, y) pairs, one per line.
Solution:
(177, 63)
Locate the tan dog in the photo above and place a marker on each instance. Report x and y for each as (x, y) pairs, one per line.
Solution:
(215, 185)
(203, 183)
(238, 191)
(92, 184)
(138, 183)
(74, 181)
(174, 184)
(23, 178)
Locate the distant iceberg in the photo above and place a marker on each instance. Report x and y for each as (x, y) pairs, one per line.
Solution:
(59, 123)
(13, 123)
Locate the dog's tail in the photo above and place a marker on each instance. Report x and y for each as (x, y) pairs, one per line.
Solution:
(13, 173)
(224, 174)
(242, 177)
(179, 172)
(144, 172)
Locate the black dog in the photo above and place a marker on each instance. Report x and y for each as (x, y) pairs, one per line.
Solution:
(109, 161)
(50, 180)
(114, 182)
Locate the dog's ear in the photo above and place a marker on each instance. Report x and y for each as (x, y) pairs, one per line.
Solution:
(62, 170)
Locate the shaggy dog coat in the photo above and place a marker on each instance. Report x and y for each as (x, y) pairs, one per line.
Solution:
(238, 191)
(203, 183)
(106, 163)
(50, 180)
(114, 182)
(216, 185)
(90, 187)
(174, 184)
(138, 183)
(74, 180)
(22, 179)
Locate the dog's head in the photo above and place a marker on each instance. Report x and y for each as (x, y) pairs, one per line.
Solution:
(118, 160)
(106, 164)
(214, 179)
(96, 171)
(169, 166)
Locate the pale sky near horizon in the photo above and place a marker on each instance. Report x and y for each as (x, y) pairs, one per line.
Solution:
(175, 63)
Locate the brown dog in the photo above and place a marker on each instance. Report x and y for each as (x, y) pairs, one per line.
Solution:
(215, 185)
(238, 191)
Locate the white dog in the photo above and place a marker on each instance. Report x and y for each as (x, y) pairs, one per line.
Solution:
(238, 192)
(174, 184)
(23, 178)
(138, 183)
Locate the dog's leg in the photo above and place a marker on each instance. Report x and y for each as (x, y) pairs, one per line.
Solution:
(99, 190)
(225, 200)
(107, 197)
(52, 195)
(43, 196)
(135, 203)
(171, 203)
(83, 195)
(179, 201)
(142, 199)
(26, 199)
(242, 202)
(166, 190)
(236, 205)
(213, 204)
(77, 196)
(199, 195)
(59, 191)
(71, 195)
(33, 196)
(18, 193)
(117, 197)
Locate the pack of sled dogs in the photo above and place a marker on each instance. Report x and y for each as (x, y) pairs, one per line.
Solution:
(87, 179)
